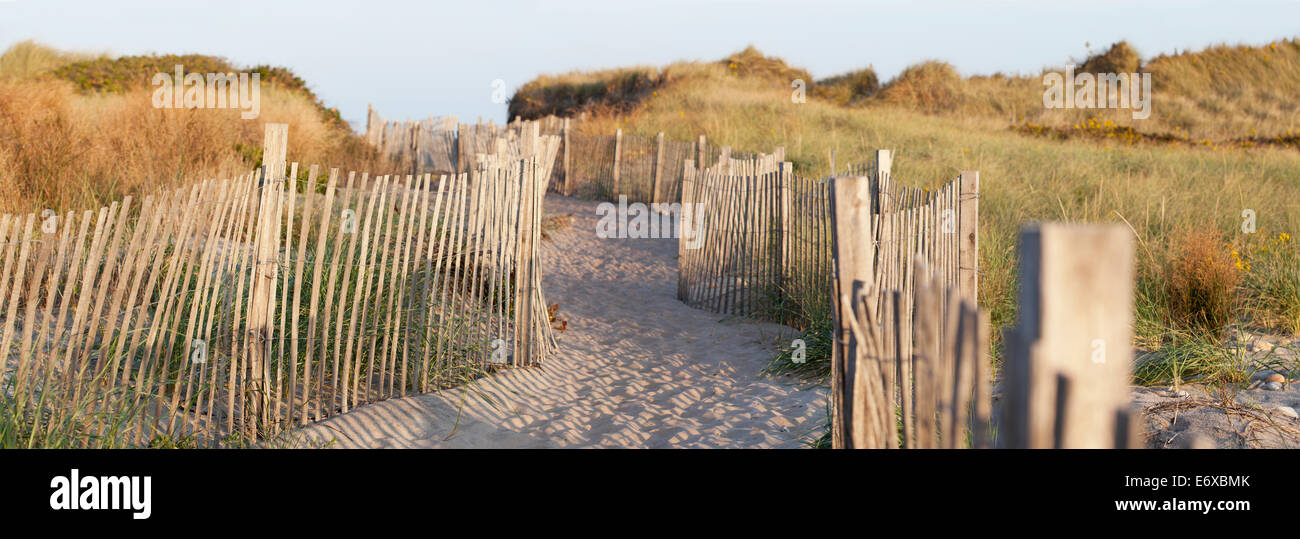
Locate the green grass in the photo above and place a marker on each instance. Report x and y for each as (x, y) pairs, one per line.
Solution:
(1201, 357)
(817, 360)
(1192, 355)
(1271, 281)
(41, 418)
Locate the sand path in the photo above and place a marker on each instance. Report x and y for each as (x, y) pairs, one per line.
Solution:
(635, 368)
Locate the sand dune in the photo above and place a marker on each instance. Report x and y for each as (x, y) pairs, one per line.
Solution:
(635, 368)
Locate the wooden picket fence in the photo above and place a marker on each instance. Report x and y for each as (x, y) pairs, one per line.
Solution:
(643, 169)
(238, 309)
(911, 350)
(428, 145)
(743, 246)
(729, 163)
(766, 249)
(878, 229)
(603, 167)
(590, 166)
(443, 144)
(939, 390)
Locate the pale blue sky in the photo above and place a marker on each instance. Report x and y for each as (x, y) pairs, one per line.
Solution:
(416, 59)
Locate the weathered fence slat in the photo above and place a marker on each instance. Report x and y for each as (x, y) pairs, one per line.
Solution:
(184, 320)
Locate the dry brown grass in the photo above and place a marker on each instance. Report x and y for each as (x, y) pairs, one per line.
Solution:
(930, 87)
(1229, 91)
(1201, 280)
(599, 92)
(1220, 96)
(1119, 58)
(753, 64)
(65, 149)
(849, 88)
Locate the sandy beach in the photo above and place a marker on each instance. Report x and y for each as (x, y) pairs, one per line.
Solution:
(635, 368)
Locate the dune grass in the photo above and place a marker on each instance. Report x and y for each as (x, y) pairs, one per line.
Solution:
(1222, 95)
(60, 425)
(815, 365)
(78, 131)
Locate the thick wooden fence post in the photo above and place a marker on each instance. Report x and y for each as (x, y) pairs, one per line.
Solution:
(567, 188)
(371, 119)
(851, 226)
(659, 161)
(968, 226)
(699, 153)
(462, 162)
(1076, 319)
(262, 299)
(415, 148)
(618, 150)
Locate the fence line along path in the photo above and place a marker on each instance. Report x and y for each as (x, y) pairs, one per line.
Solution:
(235, 309)
(896, 269)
